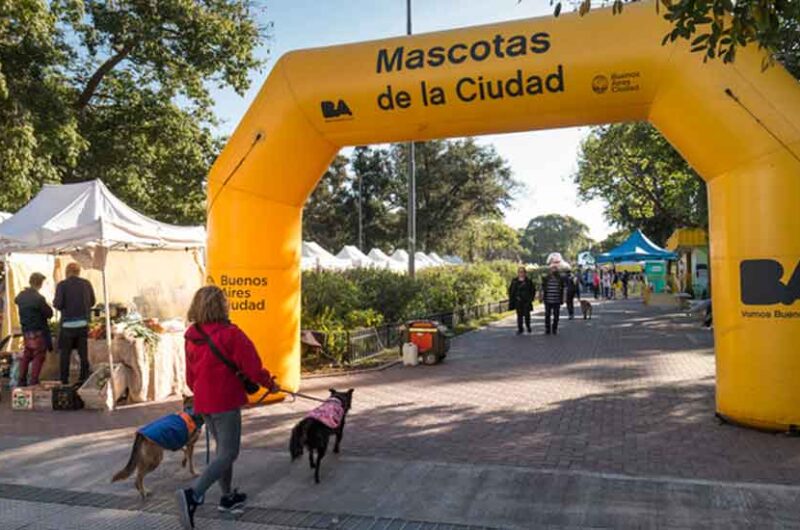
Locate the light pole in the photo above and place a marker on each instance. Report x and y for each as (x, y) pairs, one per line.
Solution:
(412, 185)
(360, 213)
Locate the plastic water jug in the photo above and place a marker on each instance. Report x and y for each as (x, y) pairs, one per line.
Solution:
(410, 354)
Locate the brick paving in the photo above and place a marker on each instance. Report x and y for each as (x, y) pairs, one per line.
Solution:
(630, 392)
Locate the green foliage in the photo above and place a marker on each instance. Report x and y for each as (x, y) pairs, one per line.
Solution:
(718, 28)
(363, 318)
(328, 216)
(389, 293)
(328, 294)
(504, 268)
(337, 301)
(554, 233)
(118, 90)
(484, 240)
(382, 192)
(642, 178)
(460, 184)
(332, 327)
(612, 241)
(457, 181)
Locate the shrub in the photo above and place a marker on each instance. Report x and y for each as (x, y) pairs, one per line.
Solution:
(437, 290)
(385, 291)
(363, 318)
(504, 268)
(327, 292)
(336, 301)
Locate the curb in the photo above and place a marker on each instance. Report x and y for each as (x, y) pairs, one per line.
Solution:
(353, 372)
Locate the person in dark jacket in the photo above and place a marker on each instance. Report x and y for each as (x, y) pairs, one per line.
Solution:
(573, 289)
(219, 395)
(75, 299)
(34, 312)
(625, 278)
(553, 297)
(520, 298)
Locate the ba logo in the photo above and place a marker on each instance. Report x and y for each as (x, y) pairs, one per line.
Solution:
(332, 111)
(600, 84)
(761, 283)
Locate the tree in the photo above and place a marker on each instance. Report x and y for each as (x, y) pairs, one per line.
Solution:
(118, 90)
(554, 233)
(613, 240)
(457, 181)
(39, 138)
(328, 216)
(718, 28)
(642, 178)
(485, 240)
(382, 191)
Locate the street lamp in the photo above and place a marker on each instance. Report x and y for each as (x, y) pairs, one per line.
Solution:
(360, 213)
(412, 186)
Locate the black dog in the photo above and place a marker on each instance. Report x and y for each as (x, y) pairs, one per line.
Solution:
(315, 429)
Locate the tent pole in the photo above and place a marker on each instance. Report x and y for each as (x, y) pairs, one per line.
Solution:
(7, 316)
(109, 342)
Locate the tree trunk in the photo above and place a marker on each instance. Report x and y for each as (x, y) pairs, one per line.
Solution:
(100, 73)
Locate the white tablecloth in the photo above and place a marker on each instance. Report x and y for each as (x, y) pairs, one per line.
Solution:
(153, 377)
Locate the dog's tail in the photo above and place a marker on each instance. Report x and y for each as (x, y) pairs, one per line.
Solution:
(297, 440)
(132, 461)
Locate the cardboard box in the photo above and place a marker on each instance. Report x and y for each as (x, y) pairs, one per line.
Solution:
(42, 398)
(22, 398)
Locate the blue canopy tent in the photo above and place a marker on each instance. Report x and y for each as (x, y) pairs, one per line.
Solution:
(636, 248)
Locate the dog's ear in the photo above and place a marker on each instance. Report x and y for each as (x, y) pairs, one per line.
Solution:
(350, 392)
(332, 391)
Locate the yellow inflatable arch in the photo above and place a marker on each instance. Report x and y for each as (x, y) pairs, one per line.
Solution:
(737, 125)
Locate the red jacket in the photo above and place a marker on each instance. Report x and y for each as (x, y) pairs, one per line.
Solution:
(215, 386)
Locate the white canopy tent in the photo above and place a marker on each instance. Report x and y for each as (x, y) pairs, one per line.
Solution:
(383, 261)
(355, 257)
(62, 218)
(400, 255)
(453, 260)
(315, 257)
(87, 217)
(437, 259)
(423, 261)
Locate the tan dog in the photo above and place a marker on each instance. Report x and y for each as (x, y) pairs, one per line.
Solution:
(586, 309)
(173, 432)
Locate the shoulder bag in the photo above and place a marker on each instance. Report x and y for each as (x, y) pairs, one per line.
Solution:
(250, 386)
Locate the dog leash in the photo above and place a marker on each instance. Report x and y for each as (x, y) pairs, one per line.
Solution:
(296, 395)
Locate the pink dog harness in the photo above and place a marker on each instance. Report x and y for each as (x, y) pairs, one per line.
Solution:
(329, 413)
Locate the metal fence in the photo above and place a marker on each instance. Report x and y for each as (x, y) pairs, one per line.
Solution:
(361, 344)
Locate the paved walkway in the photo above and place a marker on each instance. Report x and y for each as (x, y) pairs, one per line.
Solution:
(610, 424)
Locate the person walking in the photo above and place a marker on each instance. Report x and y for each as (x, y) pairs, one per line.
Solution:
(625, 278)
(34, 314)
(573, 290)
(553, 296)
(596, 284)
(74, 299)
(521, 293)
(219, 395)
(606, 280)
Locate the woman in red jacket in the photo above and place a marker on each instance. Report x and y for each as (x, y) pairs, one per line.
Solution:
(218, 395)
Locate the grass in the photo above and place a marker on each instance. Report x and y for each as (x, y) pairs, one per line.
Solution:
(472, 325)
(321, 366)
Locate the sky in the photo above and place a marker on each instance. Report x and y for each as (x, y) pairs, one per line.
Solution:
(543, 161)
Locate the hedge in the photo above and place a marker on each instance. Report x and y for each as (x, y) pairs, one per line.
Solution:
(334, 301)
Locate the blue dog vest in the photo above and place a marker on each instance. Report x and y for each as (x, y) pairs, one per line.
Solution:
(170, 432)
